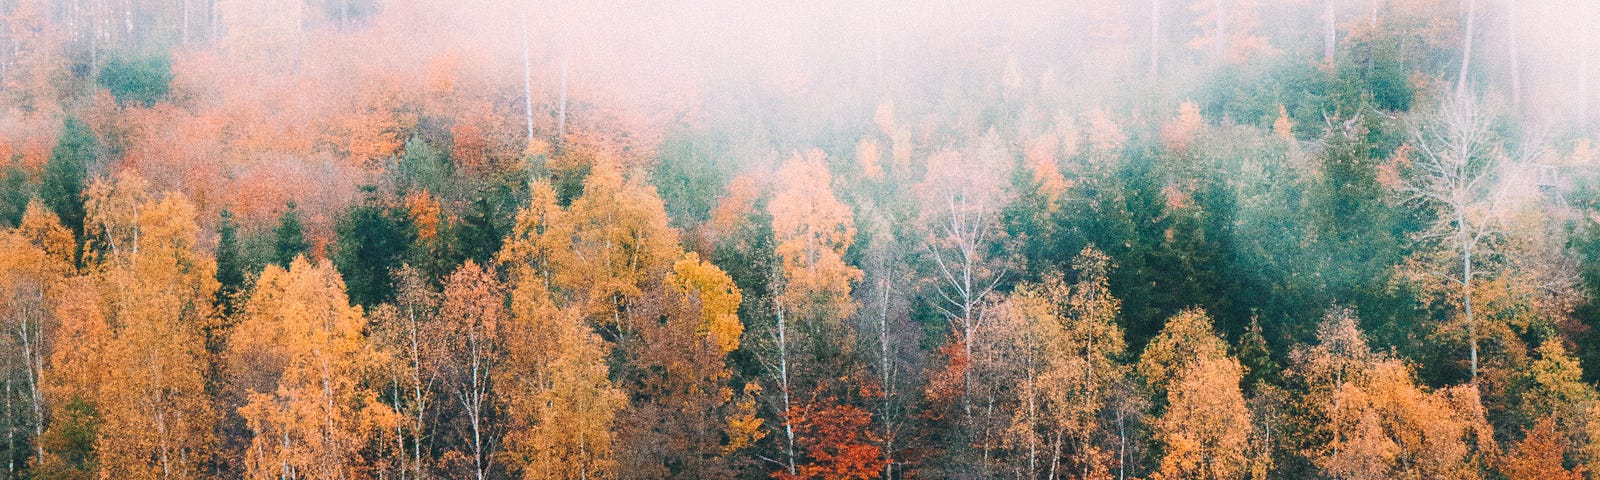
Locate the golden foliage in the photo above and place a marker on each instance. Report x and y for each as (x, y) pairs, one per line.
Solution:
(718, 299)
(299, 358)
(813, 230)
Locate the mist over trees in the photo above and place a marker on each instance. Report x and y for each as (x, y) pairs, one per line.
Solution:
(1119, 239)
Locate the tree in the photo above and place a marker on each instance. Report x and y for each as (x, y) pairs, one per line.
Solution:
(837, 441)
(560, 404)
(1226, 28)
(1059, 345)
(1187, 338)
(64, 176)
(230, 265)
(1541, 455)
(33, 268)
(299, 358)
(677, 376)
(408, 331)
(554, 382)
(153, 415)
(1457, 175)
(1206, 426)
(1368, 419)
(289, 239)
(812, 230)
(962, 199)
(473, 314)
(374, 238)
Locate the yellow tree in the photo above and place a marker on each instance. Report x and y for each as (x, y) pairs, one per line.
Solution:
(35, 259)
(554, 388)
(472, 315)
(1060, 343)
(1368, 419)
(616, 239)
(75, 371)
(408, 331)
(299, 359)
(553, 384)
(156, 288)
(812, 229)
(1206, 426)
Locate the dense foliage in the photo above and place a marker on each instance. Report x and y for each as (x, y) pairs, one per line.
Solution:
(389, 239)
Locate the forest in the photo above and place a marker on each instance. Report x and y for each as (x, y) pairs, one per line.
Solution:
(554, 239)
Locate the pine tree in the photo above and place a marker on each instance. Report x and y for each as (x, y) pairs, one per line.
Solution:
(289, 239)
(230, 264)
(65, 173)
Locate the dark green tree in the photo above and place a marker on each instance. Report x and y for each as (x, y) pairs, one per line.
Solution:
(14, 193)
(137, 80)
(289, 238)
(65, 173)
(375, 238)
(230, 264)
(480, 232)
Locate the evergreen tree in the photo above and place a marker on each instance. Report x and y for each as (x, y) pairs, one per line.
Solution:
(290, 239)
(480, 232)
(14, 194)
(374, 238)
(230, 263)
(65, 173)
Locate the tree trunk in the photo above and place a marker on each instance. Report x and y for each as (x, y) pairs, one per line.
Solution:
(1512, 54)
(1330, 33)
(783, 386)
(1466, 50)
(1219, 45)
(527, 77)
(561, 114)
(1155, 39)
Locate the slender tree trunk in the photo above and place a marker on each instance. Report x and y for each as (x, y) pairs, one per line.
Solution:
(1466, 49)
(1155, 39)
(783, 386)
(1466, 297)
(1513, 54)
(527, 76)
(886, 378)
(1219, 45)
(1583, 77)
(561, 114)
(1330, 32)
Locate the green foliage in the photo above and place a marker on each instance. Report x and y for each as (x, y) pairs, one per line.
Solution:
(289, 240)
(689, 175)
(70, 443)
(230, 264)
(424, 166)
(15, 191)
(375, 238)
(482, 229)
(67, 172)
(142, 80)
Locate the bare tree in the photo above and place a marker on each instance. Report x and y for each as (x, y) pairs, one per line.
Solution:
(1458, 172)
(962, 197)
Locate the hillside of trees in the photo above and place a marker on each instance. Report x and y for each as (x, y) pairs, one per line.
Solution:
(1162, 239)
